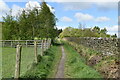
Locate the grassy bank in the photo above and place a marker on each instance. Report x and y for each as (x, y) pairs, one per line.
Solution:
(75, 66)
(47, 66)
(96, 60)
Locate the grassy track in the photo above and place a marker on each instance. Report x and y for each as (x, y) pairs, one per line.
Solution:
(9, 57)
(75, 66)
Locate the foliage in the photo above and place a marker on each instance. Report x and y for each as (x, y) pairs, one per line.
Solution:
(104, 31)
(114, 36)
(46, 65)
(30, 23)
(9, 28)
(86, 32)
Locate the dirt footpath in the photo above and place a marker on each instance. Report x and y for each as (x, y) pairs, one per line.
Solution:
(60, 70)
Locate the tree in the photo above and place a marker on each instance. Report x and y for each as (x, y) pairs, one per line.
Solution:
(30, 24)
(48, 21)
(96, 29)
(104, 31)
(9, 28)
(114, 36)
(81, 26)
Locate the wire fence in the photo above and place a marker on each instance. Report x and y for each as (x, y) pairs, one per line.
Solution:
(28, 53)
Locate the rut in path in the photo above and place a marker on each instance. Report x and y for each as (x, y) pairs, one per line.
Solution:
(60, 70)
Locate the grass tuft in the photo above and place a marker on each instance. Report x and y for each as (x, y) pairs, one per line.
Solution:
(76, 65)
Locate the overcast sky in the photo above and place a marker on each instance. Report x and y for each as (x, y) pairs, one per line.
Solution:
(72, 12)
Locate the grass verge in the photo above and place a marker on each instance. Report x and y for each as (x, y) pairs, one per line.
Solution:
(47, 65)
(96, 60)
(75, 66)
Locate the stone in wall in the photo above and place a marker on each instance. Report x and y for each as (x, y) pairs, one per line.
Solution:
(107, 46)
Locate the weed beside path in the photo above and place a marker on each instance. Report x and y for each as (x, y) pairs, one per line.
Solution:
(75, 66)
(47, 65)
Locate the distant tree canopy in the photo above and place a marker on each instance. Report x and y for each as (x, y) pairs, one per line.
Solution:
(30, 23)
(86, 32)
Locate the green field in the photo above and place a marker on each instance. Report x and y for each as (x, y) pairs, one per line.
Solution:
(9, 57)
(0, 63)
(0, 31)
(0, 51)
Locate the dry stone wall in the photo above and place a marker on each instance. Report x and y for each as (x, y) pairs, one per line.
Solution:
(107, 46)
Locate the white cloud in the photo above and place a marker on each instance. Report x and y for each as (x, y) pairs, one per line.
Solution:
(113, 33)
(3, 6)
(113, 28)
(35, 4)
(106, 6)
(83, 17)
(102, 19)
(3, 9)
(51, 8)
(61, 27)
(66, 19)
(101, 6)
(64, 0)
(16, 10)
(82, 0)
(76, 5)
(31, 5)
(118, 20)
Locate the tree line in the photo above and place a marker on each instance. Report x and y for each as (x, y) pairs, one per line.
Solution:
(29, 24)
(85, 32)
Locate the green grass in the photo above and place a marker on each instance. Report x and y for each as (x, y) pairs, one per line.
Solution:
(0, 31)
(0, 51)
(57, 52)
(47, 65)
(90, 54)
(75, 66)
(9, 60)
(0, 63)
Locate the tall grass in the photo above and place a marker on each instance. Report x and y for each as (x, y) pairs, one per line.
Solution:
(47, 65)
(76, 67)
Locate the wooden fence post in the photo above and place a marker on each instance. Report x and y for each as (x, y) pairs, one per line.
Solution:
(18, 61)
(49, 43)
(45, 44)
(18, 42)
(26, 43)
(35, 51)
(42, 48)
(11, 43)
(3, 43)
